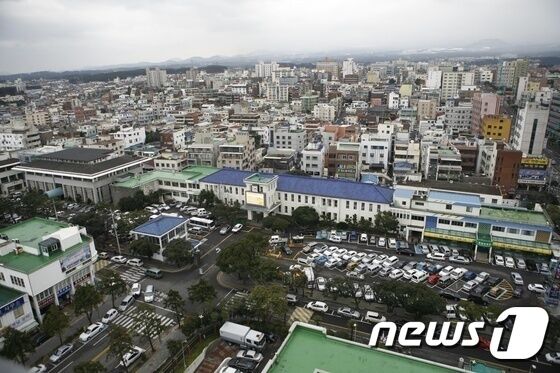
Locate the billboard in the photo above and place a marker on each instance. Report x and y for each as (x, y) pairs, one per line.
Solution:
(255, 199)
(532, 176)
(73, 260)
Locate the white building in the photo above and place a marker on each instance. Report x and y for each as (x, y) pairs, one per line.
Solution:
(156, 78)
(486, 76)
(289, 137)
(375, 150)
(264, 70)
(14, 137)
(277, 92)
(324, 112)
(349, 67)
(131, 136)
(458, 118)
(393, 100)
(452, 81)
(434, 79)
(313, 159)
(530, 128)
(47, 260)
(15, 311)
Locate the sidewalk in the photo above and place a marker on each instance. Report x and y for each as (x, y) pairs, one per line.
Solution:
(160, 356)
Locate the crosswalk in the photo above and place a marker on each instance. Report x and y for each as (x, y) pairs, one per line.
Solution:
(133, 274)
(300, 314)
(100, 264)
(129, 319)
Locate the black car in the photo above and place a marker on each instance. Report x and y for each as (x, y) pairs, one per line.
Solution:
(287, 250)
(531, 265)
(477, 299)
(450, 296)
(406, 251)
(518, 292)
(244, 365)
(39, 338)
(493, 281)
(270, 337)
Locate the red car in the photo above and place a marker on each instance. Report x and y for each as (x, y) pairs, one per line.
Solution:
(433, 279)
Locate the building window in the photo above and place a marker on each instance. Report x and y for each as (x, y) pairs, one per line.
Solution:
(335, 204)
(285, 196)
(292, 197)
(513, 230)
(355, 205)
(497, 228)
(323, 201)
(457, 223)
(306, 199)
(526, 233)
(2, 276)
(299, 198)
(448, 207)
(470, 225)
(313, 200)
(347, 204)
(444, 221)
(363, 206)
(18, 312)
(417, 217)
(18, 281)
(469, 209)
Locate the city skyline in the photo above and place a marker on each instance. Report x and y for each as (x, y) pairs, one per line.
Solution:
(61, 35)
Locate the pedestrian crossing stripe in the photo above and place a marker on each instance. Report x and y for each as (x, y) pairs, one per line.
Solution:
(130, 317)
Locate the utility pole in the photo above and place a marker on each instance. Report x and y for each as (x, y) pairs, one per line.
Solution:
(114, 226)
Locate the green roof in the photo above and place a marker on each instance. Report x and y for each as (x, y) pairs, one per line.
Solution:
(188, 174)
(7, 295)
(310, 350)
(30, 233)
(514, 215)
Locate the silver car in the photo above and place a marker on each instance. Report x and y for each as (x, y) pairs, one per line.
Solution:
(61, 352)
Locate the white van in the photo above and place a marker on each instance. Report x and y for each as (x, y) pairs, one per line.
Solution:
(436, 256)
(149, 294)
(419, 276)
(201, 212)
(126, 302)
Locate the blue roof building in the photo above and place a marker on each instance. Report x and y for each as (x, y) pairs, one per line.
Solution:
(161, 230)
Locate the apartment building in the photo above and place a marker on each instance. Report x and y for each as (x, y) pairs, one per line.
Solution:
(313, 159)
(156, 78)
(553, 126)
(496, 127)
(39, 118)
(131, 136)
(529, 131)
(16, 137)
(289, 137)
(483, 104)
(239, 154)
(47, 260)
(442, 163)
(343, 160)
(324, 112)
(375, 151)
(452, 81)
(426, 109)
(458, 118)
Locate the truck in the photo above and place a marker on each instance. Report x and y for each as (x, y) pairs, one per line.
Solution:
(308, 271)
(242, 335)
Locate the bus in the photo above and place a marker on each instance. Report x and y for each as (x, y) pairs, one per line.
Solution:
(205, 224)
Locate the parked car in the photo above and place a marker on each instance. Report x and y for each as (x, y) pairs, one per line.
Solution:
(103, 255)
(149, 294)
(374, 317)
(225, 229)
(521, 263)
(92, 331)
(482, 277)
(436, 256)
(517, 279)
(321, 283)
(335, 238)
(135, 262)
(391, 261)
(396, 274)
(250, 355)
(469, 285)
(499, 260)
(510, 263)
(109, 316)
(381, 242)
(459, 259)
(392, 243)
(553, 357)
(536, 288)
(317, 306)
(61, 352)
(363, 238)
(118, 259)
(130, 357)
(544, 269)
(469, 275)
(136, 289)
(236, 228)
(348, 312)
(406, 251)
(40, 368)
(243, 365)
(291, 299)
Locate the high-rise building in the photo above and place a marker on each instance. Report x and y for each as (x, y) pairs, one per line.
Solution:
(483, 104)
(426, 109)
(434, 79)
(329, 67)
(509, 73)
(264, 70)
(458, 118)
(497, 127)
(529, 133)
(553, 126)
(324, 112)
(277, 92)
(452, 81)
(156, 78)
(349, 67)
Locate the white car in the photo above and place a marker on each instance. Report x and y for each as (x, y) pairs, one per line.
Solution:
(517, 279)
(118, 259)
(446, 271)
(553, 357)
(457, 273)
(335, 238)
(391, 261)
(332, 262)
(317, 306)
(409, 273)
(321, 283)
(510, 263)
(459, 259)
(374, 317)
(136, 289)
(149, 294)
(135, 262)
(482, 276)
(363, 238)
(92, 331)
(38, 369)
(469, 285)
(130, 357)
(499, 260)
(61, 352)
(392, 243)
(381, 242)
(237, 227)
(395, 274)
(110, 316)
(536, 288)
(250, 355)
(521, 264)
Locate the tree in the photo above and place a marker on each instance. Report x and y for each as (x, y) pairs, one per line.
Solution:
(93, 222)
(191, 323)
(120, 342)
(266, 271)
(305, 216)
(387, 293)
(55, 322)
(206, 198)
(419, 82)
(268, 300)
(174, 346)
(176, 303)
(471, 310)
(152, 136)
(276, 223)
(112, 285)
(86, 299)
(147, 325)
(89, 367)
(179, 252)
(298, 280)
(421, 300)
(16, 344)
(138, 201)
(554, 213)
(202, 292)
(385, 222)
(35, 203)
(143, 247)
(238, 258)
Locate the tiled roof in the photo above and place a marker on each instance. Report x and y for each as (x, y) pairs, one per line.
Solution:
(159, 226)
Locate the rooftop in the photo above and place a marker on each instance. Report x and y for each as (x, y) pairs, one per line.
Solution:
(333, 188)
(454, 198)
(458, 187)
(514, 215)
(9, 161)
(159, 226)
(7, 295)
(30, 233)
(78, 154)
(260, 178)
(308, 349)
(187, 174)
(79, 168)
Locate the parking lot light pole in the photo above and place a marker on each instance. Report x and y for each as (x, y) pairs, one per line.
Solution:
(115, 231)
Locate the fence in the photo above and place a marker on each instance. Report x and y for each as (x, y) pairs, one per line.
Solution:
(180, 357)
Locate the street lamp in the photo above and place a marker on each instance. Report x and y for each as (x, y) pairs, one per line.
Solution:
(354, 331)
(532, 368)
(183, 351)
(114, 226)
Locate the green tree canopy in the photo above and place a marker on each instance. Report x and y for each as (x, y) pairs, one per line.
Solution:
(206, 198)
(86, 299)
(147, 325)
(55, 322)
(554, 213)
(266, 271)
(138, 201)
(202, 292)
(268, 300)
(238, 258)
(179, 252)
(305, 216)
(89, 367)
(176, 303)
(16, 344)
(276, 223)
(112, 285)
(93, 222)
(143, 247)
(385, 222)
(120, 342)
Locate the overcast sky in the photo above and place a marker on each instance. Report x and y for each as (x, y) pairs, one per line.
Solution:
(72, 34)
